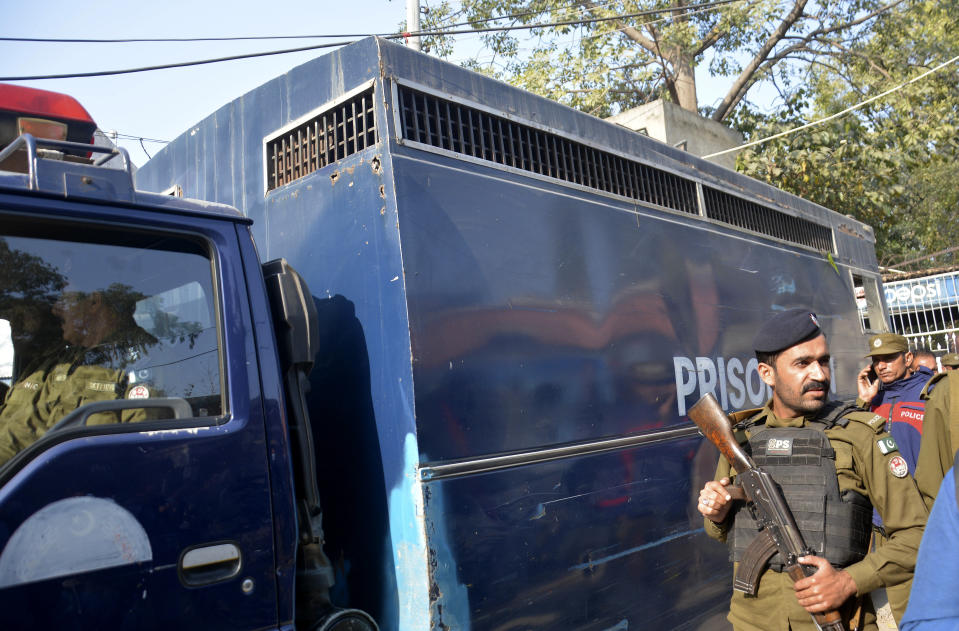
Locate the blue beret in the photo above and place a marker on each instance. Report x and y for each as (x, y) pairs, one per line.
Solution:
(786, 329)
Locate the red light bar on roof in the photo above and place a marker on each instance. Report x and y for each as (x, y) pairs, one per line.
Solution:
(41, 103)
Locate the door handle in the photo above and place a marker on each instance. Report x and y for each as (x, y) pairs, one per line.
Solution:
(207, 564)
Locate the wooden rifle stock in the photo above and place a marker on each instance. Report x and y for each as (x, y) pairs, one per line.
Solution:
(715, 426)
(708, 415)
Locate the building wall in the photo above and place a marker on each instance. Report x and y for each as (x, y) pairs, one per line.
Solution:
(669, 123)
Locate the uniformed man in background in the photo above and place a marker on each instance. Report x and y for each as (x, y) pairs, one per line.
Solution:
(950, 361)
(891, 386)
(831, 456)
(940, 435)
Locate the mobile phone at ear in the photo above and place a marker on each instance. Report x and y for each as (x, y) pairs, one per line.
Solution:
(872, 374)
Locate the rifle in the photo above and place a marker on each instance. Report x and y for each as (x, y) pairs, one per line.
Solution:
(778, 531)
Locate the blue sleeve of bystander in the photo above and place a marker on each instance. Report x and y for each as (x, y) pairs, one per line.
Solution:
(933, 604)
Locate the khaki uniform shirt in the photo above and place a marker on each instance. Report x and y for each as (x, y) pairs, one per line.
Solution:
(940, 433)
(35, 404)
(862, 467)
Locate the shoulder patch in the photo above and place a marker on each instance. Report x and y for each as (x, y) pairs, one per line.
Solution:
(887, 445)
(142, 392)
(874, 422)
(877, 422)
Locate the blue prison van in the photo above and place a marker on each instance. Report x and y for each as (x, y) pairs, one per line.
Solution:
(515, 304)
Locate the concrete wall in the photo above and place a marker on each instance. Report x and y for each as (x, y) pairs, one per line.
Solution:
(675, 126)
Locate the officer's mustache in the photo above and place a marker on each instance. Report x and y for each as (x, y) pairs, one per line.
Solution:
(816, 385)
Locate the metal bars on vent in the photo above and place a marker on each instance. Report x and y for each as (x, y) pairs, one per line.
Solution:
(331, 135)
(433, 121)
(743, 213)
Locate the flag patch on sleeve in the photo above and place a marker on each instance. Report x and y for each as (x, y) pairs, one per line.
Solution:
(887, 445)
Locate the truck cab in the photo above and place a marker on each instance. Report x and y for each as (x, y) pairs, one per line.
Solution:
(147, 468)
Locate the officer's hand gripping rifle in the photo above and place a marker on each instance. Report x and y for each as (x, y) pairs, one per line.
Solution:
(777, 527)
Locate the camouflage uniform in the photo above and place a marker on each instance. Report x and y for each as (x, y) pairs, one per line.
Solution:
(862, 467)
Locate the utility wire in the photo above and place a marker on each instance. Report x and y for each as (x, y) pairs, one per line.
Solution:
(133, 40)
(240, 38)
(114, 135)
(837, 114)
(103, 73)
(612, 18)
(129, 40)
(693, 11)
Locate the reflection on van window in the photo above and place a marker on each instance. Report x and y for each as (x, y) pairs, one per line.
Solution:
(98, 321)
(6, 358)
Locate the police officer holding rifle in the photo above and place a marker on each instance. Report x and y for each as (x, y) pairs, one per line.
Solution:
(831, 464)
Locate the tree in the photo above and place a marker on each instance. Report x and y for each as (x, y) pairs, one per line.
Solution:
(611, 56)
(29, 289)
(892, 163)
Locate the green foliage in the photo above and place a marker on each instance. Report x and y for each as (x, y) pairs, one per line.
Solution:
(891, 163)
(29, 289)
(606, 57)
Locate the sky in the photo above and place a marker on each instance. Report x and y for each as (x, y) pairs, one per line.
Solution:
(162, 104)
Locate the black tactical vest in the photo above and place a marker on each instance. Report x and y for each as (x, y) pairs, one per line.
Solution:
(801, 460)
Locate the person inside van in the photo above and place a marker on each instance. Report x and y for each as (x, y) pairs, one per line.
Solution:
(101, 339)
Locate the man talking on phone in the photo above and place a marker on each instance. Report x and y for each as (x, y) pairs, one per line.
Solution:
(888, 388)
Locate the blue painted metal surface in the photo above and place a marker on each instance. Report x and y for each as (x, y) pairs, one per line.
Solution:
(184, 487)
(470, 311)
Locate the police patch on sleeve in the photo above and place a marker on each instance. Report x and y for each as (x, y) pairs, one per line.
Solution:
(887, 445)
(138, 392)
(898, 466)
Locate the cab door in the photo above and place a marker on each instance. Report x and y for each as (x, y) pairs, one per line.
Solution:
(134, 475)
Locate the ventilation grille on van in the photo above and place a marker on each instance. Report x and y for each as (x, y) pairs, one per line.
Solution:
(465, 130)
(462, 129)
(743, 213)
(331, 135)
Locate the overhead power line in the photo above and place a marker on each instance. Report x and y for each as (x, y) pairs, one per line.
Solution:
(115, 135)
(440, 32)
(104, 73)
(611, 18)
(131, 40)
(837, 114)
(174, 40)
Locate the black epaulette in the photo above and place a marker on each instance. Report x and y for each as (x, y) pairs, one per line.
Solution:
(840, 413)
(744, 418)
(743, 421)
(837, 413)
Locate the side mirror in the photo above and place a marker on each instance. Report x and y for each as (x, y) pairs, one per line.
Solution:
(294, 315)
